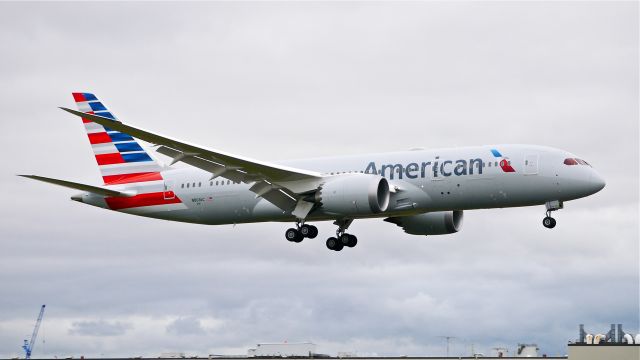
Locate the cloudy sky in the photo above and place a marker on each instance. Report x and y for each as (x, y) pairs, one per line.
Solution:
(291, 80)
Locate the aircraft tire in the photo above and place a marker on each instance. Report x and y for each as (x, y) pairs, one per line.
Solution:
(334, 244)
(293, 235)
(309, 231)
(339, 247)
(549, 222)
(353, 241)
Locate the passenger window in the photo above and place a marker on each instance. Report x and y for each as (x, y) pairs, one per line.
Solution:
(228, 182)
(496, 163)
(187, 185)
(489, 163)
(182, 185)
(526, 162)
(211, 183)
(199, 184)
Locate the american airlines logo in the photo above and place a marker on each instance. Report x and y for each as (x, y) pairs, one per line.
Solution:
(437, 168)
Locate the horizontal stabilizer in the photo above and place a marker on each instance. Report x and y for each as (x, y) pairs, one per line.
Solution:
(89, 188)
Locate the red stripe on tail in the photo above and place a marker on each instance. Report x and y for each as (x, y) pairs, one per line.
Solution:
(87, 120)
(78, 97)
(108, 159)
(99, 138)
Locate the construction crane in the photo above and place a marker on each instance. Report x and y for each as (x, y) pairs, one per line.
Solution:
(28, 345)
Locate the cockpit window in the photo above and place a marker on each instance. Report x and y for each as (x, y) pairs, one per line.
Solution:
(575, 161)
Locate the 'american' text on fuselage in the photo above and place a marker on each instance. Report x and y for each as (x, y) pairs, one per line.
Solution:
(415, 170)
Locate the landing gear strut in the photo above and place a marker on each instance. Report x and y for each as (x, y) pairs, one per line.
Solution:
(548, 221)
(342, 239)
(300, 232)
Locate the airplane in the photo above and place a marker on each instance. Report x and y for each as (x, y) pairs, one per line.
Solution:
(425, 192)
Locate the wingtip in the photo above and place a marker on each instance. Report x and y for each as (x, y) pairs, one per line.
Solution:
(28, 176)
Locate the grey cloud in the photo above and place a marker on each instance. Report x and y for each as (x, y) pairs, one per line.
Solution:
(185, 326)
(99, 328)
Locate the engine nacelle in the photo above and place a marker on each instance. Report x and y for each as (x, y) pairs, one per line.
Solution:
(433, 223)
(354, 194)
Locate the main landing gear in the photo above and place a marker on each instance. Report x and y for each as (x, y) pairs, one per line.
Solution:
(300, 232)
(548, 221)
(336, 243)
(342, 239)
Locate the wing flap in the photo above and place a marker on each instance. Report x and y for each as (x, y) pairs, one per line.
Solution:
(280, 199)
(196, 161)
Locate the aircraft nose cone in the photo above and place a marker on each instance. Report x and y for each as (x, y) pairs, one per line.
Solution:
(597, 182)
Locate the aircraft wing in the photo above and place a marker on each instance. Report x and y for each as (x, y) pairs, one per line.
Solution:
(83, 187)
(281, 185)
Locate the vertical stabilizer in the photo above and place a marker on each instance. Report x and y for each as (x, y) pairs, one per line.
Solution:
(120, 157)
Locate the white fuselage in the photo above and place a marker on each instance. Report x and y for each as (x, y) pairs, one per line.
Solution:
(421, 181)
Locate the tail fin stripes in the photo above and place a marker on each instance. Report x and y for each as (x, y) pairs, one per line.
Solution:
(119, 156)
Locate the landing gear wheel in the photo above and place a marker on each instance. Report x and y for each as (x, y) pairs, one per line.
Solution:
(353, 241)
(549, 222)
(345, 239)
(293, 235)
(334, 244)
(309, 231)
(348, 240)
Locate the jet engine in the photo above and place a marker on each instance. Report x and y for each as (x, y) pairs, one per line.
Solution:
(433, 223)
(354, 194)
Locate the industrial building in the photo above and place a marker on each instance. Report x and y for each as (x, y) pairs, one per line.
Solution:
(615, 344)
(305, 349)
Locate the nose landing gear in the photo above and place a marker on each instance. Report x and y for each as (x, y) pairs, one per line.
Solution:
(548, 221)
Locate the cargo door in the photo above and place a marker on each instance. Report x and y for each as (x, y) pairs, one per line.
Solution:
(531, 164)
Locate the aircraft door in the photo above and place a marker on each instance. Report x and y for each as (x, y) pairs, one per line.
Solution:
(531, 164)
(168, 190)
